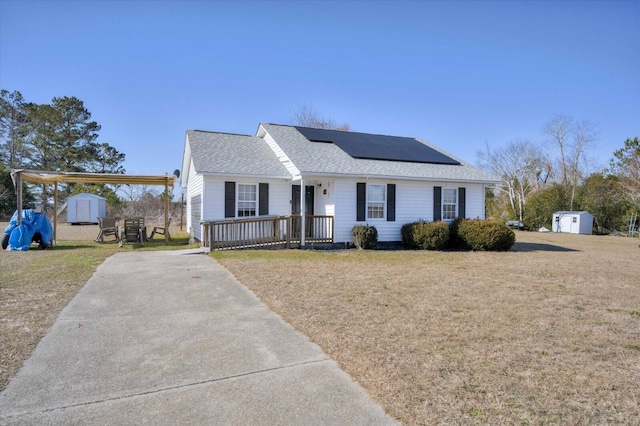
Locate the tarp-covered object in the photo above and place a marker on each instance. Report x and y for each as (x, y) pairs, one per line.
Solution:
(34, 227)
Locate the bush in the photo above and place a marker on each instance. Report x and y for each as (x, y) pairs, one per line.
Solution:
(425, 236)
(455, 242)
(485, 235)
(364, 237)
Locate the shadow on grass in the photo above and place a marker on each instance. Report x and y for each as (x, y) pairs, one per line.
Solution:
(529, 247)
(70, 247)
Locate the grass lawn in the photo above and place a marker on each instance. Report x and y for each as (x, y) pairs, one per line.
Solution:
(35, 285)
(547, 333)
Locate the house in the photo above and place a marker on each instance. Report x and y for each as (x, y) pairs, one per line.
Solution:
(572, 222)
(354, 178)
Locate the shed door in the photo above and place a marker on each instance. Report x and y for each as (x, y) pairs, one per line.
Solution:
(575, 224)
(83, 211)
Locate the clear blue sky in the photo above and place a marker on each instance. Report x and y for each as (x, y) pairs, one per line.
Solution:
(455, 73)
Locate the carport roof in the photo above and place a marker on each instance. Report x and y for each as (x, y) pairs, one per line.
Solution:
(51, 177)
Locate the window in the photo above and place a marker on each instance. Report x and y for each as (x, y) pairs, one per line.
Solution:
(247, 200)
(376, 198)
(575, 219)
(449, 203)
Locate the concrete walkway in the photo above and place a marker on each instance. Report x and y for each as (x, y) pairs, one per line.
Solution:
(172, 338)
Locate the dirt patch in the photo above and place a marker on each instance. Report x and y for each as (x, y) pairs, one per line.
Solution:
(546, 333)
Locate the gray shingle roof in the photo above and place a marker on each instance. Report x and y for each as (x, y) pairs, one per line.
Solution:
(231, 154)
(327, 158)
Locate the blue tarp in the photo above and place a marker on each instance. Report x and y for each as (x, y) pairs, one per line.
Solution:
(21, 236)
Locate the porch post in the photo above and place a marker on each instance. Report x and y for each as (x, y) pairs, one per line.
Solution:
(166, 210)
(17, 182)
(303, 193)
(55, 214)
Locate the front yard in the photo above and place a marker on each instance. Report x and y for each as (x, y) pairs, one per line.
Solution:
(548, 332)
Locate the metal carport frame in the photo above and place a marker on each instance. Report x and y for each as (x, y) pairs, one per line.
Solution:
(53, 178)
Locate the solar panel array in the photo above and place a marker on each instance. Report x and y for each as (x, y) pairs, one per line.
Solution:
(378, 147)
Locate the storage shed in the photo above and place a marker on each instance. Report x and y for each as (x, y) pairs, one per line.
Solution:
(573, 222)
(85, 208)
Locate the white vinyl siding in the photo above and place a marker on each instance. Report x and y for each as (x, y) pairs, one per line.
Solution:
(414, 201)
(474, 201)
(213, 205)
(194, 188)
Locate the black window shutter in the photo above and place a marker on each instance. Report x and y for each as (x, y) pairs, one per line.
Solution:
(295, 199)
(462, 202)
(229, 199)
(391, 202)
(437, 203)
(263, 197)
(361, 205)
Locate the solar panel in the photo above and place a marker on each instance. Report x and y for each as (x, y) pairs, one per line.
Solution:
(378, 147)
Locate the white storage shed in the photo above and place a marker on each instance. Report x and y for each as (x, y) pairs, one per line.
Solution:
(573, 222)
(85, 208)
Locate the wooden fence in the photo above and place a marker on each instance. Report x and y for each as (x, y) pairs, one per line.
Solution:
(266, 231)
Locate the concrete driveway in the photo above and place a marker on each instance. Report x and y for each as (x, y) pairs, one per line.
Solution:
(172, 338)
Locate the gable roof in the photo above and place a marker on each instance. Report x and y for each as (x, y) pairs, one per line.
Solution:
(230, 154)
(313, 158)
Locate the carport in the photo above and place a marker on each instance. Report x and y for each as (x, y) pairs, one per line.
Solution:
(53, 178)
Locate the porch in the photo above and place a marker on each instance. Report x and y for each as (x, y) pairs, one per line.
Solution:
(267, 232)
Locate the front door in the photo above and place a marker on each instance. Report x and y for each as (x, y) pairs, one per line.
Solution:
(309, 199)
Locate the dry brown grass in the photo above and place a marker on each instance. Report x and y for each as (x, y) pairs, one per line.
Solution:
(548, 333)
(35, 285)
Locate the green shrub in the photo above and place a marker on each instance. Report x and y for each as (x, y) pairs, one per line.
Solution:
(406, 233)
(485, 235)
(364, 237)
(425, 236)
(455, 242)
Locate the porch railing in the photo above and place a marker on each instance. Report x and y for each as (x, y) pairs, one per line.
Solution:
(266, 231)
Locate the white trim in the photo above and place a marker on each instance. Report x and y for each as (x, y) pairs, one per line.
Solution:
(390, 177)
(279, 152)
(244, 175)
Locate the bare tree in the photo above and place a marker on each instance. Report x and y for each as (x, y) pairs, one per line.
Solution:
(626, 165)
(572, 139)
(306, 115)
(522, 167)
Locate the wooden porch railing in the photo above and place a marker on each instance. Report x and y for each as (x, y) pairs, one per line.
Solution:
(266, 231)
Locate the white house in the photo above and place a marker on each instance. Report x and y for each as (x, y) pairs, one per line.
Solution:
(573, 222)
(356, 178)
(85, 208)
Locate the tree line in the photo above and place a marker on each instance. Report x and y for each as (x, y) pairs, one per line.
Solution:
(58, 136)
(540, 178)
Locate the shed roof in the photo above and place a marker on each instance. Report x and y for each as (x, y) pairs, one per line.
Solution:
(329, 159)
(572, 212)
(86, 195)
